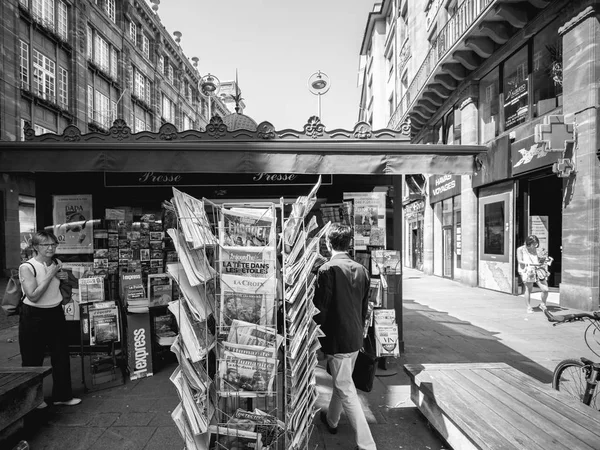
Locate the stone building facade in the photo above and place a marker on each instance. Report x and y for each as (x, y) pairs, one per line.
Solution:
(520, 78)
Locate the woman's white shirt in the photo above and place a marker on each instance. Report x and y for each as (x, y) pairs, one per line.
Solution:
(52, 296)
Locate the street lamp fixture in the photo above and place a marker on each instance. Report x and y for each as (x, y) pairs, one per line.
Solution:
(209, 87)
(319, 84)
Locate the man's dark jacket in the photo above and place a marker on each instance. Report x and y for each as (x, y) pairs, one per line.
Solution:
(341, 295)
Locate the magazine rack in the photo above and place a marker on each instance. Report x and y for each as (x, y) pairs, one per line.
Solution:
(247, 342)
(103, 355)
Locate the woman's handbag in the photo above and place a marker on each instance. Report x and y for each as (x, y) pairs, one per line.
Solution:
(13, 294)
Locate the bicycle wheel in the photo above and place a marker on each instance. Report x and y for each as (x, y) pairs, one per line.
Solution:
(570, 377)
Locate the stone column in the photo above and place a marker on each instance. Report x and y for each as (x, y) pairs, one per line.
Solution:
(581, 203)
(468, 203)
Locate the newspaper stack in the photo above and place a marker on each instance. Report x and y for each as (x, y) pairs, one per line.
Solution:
(301, 254)
(194, 222)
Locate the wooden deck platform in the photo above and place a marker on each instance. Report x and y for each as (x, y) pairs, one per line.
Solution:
(494, 406)
(21, 391)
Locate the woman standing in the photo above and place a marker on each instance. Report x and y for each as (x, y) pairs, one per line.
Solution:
(533, 269)
(42, 321)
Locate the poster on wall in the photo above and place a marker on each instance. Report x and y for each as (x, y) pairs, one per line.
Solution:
(369, 219)
(72, 224)
(538, 225)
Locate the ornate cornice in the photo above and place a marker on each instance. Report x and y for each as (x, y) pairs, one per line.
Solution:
(587, 12)
(217, 130)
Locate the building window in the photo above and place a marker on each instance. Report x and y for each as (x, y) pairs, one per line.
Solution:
(90, 103)
(44, 73)
(90, 43)
(170, 73)
(114, 62)
(101, 54)
(109, 7)
(63, 87)
(187, 122)
(494, 229)
(139, 84)
(168, 109)
(24, 65)
(43, 11)
(139, 125)
(27, 225)
(133, 32)
(161, 64)
(39, 130)
(62, 20)
(452, 127)
(516, 96)
(489, 106)
(547, 70)
(102, 110)
(146, 46)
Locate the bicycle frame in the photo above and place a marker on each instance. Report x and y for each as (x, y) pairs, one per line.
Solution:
(592, 377)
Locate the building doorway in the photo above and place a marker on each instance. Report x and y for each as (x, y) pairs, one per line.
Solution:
(448, 252)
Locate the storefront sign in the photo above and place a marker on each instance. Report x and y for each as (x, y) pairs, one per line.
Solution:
(72, 223)
(139, 344)
(442, 187)
(158, 179)
(413, 209)
(528, 156)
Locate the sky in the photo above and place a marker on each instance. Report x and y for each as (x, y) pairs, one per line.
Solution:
(276, 45)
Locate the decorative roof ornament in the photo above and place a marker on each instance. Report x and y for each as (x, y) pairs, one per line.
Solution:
(238, 94)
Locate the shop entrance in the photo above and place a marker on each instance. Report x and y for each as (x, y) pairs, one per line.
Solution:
(544, 194)
(448, 252)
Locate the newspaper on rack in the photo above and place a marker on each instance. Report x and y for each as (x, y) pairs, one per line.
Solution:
(297, 292)
(194, 261)
(303, 266)
(241, 228)
(250, 307)
(196, 337)
(247, 377)
(192, 403)
(268, 426)
(248, 262)
(231, 350)
(194, 372)
(300, 209)
(194, 222)
(246, 333)
(200, 298)
(191, 441)
(298, 249)
(222, 437)
(104, 323)
(386, 332)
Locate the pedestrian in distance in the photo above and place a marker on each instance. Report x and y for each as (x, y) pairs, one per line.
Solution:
(42, 321)
(533, 268)
(341, 295)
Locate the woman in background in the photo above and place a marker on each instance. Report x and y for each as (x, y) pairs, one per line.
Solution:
(42, 321)
(533, 268)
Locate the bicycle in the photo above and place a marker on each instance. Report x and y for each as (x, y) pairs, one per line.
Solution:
(579, 377)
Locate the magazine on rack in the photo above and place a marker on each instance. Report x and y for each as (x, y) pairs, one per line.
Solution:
(300, 209)
(246, 377)
(246, 333)
(160, 289)
(91, 289)
(245, 229)
(194, 261)
(197, 338)
(386, 332)
(194, 222)
(268, 426)
(250, 307)
(104, 323)
(223, 437)
(199, 298)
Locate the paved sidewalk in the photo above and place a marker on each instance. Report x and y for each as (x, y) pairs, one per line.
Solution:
(443, 321)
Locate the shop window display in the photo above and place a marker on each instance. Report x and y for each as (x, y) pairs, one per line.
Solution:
(516, 95)
(547, 70)
(493, 219)
(489, 106)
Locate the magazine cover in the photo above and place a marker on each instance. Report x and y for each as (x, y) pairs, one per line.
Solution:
(73, 225)
(243, 306)
(258, 421)
(246, 377)
(243, 229)
(91, 289)
(160, 289)
(369, 218)
(223, 437)
(246, 333)
(104, 323)
(386, 332)
(248, 262)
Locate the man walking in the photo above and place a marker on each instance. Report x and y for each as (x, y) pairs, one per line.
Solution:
(341, 296)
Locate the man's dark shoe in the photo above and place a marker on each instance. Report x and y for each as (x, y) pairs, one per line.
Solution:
(332, 430)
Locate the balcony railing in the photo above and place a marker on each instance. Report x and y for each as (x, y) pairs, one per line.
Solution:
(456, 27)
